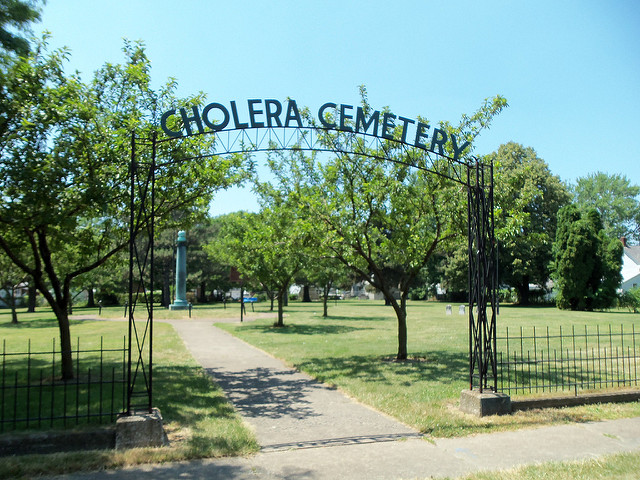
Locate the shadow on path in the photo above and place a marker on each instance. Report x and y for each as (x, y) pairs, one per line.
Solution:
(266, 392)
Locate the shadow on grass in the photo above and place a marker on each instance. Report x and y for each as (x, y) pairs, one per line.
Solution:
(435, 366)
(36, 323)
(368, 318)
(184, 395)
(298, 329)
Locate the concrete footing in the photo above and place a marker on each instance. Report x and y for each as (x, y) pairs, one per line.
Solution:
(486, 403)
(173, 306)
(140, 430)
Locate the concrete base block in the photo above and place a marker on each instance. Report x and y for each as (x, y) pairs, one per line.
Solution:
(175, 306)
(486, 403)
(140, 430)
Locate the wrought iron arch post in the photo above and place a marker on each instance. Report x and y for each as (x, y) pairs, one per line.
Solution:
(476, 176)
(141, 276)
(483, 279)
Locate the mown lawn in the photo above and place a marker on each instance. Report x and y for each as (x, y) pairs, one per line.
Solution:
(354, 349)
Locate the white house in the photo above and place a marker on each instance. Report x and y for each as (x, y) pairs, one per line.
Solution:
(630, 266)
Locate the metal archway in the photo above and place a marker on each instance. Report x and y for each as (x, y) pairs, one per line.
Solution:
(476, 176)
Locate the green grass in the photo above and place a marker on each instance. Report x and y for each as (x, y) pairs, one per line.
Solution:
(624, 466)
(198, 419)
(354, 349)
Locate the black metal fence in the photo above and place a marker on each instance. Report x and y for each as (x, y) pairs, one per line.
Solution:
(533, 361)
(32, 394)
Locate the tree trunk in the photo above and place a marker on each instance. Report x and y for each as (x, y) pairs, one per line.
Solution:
(91, 301)
(202, 294)
(402, 334)
(306, 295)
(65, 344)
(401, 314)
(281, 297)
(523, 291)
(325, 301)
(12, 303)
(60, 303)
(33, 291)
(166, 287)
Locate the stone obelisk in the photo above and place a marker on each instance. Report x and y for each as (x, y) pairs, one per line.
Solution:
(181, 274)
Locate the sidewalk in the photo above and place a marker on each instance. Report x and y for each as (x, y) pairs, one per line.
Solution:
(309, 431)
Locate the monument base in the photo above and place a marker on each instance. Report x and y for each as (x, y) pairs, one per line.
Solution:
(179, 306)
(485, 403)
(140, 430)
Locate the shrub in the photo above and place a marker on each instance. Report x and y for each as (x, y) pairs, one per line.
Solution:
(630, 300)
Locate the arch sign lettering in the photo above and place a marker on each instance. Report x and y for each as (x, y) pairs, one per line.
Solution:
(215, 117)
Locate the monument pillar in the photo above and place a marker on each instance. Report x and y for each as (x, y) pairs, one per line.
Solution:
(180, 302)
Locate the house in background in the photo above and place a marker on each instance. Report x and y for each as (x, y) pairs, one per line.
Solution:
(630, 266)
(19, 293)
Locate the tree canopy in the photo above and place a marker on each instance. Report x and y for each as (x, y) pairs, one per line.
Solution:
(15, 17)
(64, 167)
(527, 199)
(382, 219)
(615, 198)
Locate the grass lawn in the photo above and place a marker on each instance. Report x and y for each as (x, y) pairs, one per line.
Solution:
(198, 419)
(354, 349)
(624, 466)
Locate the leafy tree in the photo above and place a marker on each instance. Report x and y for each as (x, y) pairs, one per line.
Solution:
(454, 269)
(264, 247)
(382, 220)
(586, 262)
(15, 17)
(630, 299)
(326, 273)
(64, 163)
(615, 198)
(527, 199)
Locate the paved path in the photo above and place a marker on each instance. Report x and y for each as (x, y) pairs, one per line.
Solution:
(309, 431)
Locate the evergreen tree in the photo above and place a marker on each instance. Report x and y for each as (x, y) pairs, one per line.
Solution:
(586, 262)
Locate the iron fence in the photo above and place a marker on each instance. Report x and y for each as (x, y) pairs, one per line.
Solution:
(32, 394)
(574, 360)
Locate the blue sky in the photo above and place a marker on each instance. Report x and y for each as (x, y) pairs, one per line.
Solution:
(570, 70)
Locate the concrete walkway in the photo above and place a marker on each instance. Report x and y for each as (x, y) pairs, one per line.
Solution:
(309, 431)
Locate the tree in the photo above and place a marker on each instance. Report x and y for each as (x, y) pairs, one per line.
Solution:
(325, 272)
(586, 263)
(203, 272)
(527, 199)
(616, 200)
(64, 162)
(16, 15)
(10, 277)
(381, 219)
(266, 248)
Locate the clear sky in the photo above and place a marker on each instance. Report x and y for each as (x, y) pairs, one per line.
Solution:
(570, 70)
